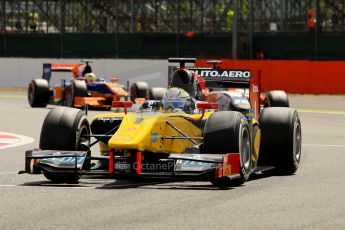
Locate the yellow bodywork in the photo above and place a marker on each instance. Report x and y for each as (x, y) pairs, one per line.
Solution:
(146, 131)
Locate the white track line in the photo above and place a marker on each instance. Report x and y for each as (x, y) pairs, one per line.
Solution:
(320, 145)
(2, 173)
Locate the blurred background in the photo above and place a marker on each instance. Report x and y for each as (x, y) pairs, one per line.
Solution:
(238, 29)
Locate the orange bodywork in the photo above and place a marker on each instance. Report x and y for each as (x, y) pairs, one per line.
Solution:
(97, 102)
(57, 93)
(139, 100)
(95, 99)
(117, 90)
(64, 67)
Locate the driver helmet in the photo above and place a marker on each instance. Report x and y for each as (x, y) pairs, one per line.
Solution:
(177, 99)
(114, 79)
(90, 77)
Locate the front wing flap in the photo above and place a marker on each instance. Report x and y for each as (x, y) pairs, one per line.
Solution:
(55, 159)
(220, 164)
(185, 165)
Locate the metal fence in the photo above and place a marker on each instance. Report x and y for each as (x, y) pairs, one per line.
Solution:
(168, 16)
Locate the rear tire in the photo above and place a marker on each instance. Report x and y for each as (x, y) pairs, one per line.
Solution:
(228, 132)
(281, 139)
(63, 129)
(276, 98)
(38, 93)
(139, 90)
(157, 93)
(77, 88)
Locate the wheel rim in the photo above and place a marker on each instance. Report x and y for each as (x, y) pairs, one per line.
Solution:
(31, 94)
(83, 130)
(69, 97)
(245, 148)
(297, 141)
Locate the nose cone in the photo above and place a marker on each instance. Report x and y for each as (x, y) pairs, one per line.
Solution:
(134, 133)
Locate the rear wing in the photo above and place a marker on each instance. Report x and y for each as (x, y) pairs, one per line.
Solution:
(48, 68)
(182, 61)
(232, 78)
(212, 77)
(228, 78)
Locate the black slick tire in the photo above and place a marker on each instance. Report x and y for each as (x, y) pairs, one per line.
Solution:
(228, 132)
(281, 139)
(38, 93)
(139, 90)
(77, 88)
(276, 98)
(63, 129)
(157, 93)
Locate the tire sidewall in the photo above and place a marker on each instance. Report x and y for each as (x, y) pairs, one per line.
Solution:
(82, 127)
(31, 93)
(70, 96)
(245, 167)
(297, 131)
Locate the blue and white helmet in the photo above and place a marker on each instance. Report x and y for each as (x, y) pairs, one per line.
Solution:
(177, 98)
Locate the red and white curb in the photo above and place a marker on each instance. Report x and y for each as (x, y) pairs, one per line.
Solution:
(8, 140)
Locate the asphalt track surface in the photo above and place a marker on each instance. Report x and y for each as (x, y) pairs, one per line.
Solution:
(313, 198)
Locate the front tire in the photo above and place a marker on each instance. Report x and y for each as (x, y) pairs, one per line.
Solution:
(157, 93)
(64, 129)
(77, 88)
(139, 90)
(281, 139)
(228, 132)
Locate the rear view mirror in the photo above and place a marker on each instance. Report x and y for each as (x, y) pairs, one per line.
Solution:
(122, 104)
(206, 105)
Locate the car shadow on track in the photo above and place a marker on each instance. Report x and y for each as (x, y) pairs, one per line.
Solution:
(160, 184)
(130, 184)
(179, 184)
(50, 184)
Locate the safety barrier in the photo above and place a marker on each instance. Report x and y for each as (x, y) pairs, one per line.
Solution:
(305, 77)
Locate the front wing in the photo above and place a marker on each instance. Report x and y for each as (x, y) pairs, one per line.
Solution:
(175, 166)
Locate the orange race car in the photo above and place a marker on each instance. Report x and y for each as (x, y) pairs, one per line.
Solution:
(83, 88)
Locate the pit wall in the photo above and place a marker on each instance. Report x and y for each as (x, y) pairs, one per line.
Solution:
(304, 77)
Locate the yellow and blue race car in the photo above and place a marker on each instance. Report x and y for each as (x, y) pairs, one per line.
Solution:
(176, 137)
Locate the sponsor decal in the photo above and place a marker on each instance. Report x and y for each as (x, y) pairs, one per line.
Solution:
(249, 114)
(255, 89)
(125, 166)
(8, 140)
(122, 166)
(46, 70)
(238, 74)
(138, 120)
(154, 137)
(108, 119)
(188, 165)
(70, 159)
(132, 129)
